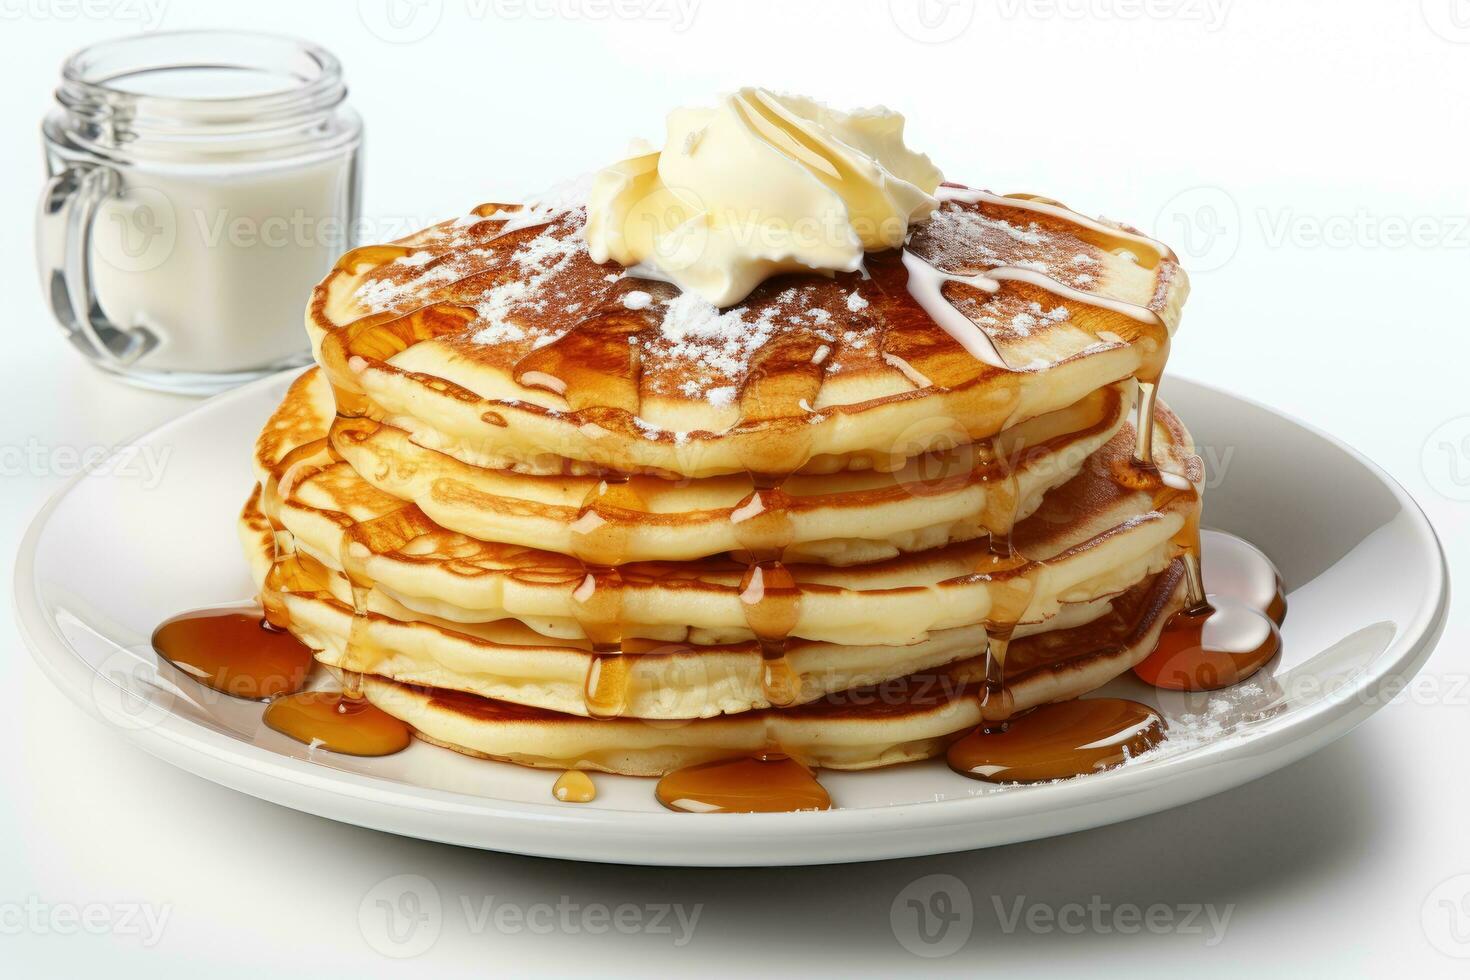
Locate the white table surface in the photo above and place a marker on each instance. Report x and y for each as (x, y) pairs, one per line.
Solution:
(1307, 140)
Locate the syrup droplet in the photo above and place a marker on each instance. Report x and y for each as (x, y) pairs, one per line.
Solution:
(338, 722)
(776, 785)
(1001, 502)
(1210, 647)
(1058, 741)
(574, 786)
(771, 600)
(605, 691)
(1229, 636)
(600, 542)
(234, 650)
(1010, 596)
(1143, 425)
(996, 701)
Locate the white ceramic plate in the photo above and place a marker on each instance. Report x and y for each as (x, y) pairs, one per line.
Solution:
(116, 553)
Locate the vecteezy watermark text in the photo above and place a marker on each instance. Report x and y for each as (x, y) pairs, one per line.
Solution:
(410, 21)
(934, 917)
(1210, 13)
(1098, 916)
(145, 464)
(568, 917)
(37, 917)
(402, 917)
(147, 14)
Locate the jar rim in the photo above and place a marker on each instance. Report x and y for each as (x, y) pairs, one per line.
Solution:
(309, 76)
(256, 88)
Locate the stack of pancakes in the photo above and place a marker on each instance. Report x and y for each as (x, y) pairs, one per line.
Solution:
(548, 511)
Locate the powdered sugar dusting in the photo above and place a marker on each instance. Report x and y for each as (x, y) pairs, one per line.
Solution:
(961, 236)
(538, 260)
(449, 254)
(378, 295)
(721, 341)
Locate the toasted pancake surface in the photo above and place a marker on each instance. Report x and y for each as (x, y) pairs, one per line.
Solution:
(495, 339)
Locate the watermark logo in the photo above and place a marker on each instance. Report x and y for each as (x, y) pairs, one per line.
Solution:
(400, 21)
(1203, 224)
(1450, 19)
(401, 917)
(122, 689)
(1445, 459)
(932, 21)
(1446, 917)
(136, 231)
(1207, 226)
(933, 916)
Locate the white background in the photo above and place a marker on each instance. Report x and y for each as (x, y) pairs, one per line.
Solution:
(1283, 147)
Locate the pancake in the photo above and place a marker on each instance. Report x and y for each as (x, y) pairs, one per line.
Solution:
(508, 661)
(913, 718)
(1093, 536)
(954, 494)
(951, 493)
(496, 340)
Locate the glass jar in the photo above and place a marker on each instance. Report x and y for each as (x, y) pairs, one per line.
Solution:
(200, 183)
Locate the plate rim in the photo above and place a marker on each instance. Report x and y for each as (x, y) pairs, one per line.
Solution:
(903, 829)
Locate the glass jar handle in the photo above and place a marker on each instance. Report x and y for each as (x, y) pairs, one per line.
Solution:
(64, 223)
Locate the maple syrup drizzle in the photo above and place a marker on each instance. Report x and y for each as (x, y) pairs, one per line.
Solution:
(1143, 423)
(599, 541)
(784, 382)
(362, 653)
(1010, 591)
(1010, 595)
(771, 600)
(743, 785)
(1058, 741)
(925, 283)
(769, 595)
(574, 786)
(338, 722)
(234, 650)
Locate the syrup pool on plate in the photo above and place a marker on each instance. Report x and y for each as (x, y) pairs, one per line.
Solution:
(339, 722)
(1058, 741)
(743, 785)
(234, 650)
(1233, 632)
